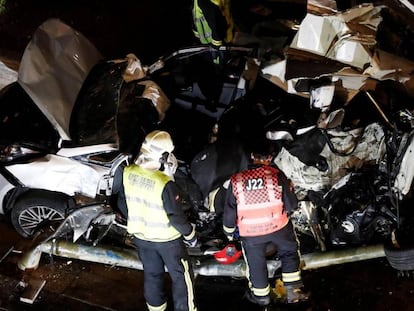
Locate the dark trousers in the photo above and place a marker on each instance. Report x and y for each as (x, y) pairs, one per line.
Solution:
(155, 256)
(254, 249)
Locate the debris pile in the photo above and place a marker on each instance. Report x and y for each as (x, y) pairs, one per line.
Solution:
(335, 56)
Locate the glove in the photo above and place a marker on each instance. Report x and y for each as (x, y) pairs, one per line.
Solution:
(229, 237)
(232, 236)
(170, 167)
(191, 243)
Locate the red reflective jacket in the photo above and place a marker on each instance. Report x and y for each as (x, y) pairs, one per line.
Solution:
(259, 201)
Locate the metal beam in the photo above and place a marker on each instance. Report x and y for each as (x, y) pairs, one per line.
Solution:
(128, 258)
(325, 259)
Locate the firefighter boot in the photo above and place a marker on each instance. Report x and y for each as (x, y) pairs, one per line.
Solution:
(258, 300)
(295, 294)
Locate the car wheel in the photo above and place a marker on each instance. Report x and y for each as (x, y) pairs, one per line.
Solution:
(37, 208)
(401, 259)
(399, 250)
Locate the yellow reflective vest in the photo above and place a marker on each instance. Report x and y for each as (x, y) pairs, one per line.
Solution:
(147, 219)
(206, 30)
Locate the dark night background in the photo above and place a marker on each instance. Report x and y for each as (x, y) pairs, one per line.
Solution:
(144, 27)
(147, 28)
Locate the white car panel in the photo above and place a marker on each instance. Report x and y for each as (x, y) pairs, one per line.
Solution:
(56, 173)
(5, 186)
(72, 152)
(54, 65)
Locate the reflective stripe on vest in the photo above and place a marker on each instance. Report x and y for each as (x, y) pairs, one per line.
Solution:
(225, 9)
(147, 218)
(203, 30)
(259, 201)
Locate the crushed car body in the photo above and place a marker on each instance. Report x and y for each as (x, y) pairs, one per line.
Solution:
(342, 126)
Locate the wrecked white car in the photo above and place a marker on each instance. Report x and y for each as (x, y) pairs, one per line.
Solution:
(41, 169)
(343, 135)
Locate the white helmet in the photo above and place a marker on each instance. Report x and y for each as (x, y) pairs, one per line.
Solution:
(156, 144)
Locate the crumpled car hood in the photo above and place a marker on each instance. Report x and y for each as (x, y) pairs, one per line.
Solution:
(54, 65)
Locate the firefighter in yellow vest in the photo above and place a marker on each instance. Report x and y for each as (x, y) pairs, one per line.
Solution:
(257, 204)
(158, 223)
(212, 25)
(213, 22)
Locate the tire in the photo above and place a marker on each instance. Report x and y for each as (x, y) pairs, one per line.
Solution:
(37, 208)
(399, 250)
(401, 259)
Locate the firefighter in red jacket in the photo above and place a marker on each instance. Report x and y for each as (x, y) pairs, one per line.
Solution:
(257, 204)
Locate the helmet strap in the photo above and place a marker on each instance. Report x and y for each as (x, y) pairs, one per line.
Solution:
(163, 160)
